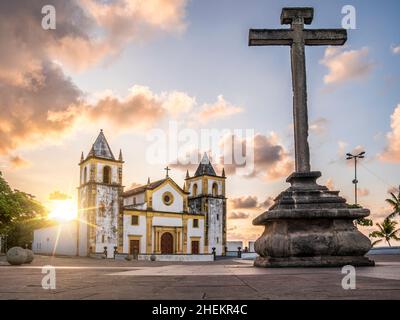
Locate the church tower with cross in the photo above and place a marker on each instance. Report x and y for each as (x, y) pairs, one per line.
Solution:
(99, 199)
(207, 195)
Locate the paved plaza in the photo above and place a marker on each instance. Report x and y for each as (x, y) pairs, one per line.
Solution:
(85, 278)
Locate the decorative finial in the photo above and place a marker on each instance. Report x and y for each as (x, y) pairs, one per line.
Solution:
(82, 156)
(187, 174)
(167, 169)
(148, 180)
(101, 130)
(223, 172)
(120, 155)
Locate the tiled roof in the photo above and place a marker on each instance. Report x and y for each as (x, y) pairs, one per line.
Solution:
(205, 167)
(100, 148)
(144, 187)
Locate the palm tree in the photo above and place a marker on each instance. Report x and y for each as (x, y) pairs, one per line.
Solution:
(387, 231)
(394, 201)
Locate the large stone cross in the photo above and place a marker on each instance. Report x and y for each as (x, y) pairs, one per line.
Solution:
(297, 37)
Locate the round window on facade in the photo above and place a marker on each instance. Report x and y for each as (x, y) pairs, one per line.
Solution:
(168, 198)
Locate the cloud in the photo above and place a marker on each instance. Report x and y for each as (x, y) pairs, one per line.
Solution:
(271, 160)
(37, 112)
(391, 152)
(177, 102)
(53, 106)
(238, 215)
(267, 203)
(57, 195)
(343, 149)
(38, 102)
(217, 110)
(346, 65)
(89, 29)
(319, 126)
(250, 202)
(141, 109)
(17, 162)
(396, 49)
(244, 202)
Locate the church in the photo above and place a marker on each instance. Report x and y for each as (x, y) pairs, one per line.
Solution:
(158, 217)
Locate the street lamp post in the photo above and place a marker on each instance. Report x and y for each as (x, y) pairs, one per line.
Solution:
(355, 181)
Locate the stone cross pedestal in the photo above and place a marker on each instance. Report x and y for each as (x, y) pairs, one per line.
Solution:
(308, 225)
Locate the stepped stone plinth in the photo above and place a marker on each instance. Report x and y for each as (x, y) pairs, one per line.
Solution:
(311, 226)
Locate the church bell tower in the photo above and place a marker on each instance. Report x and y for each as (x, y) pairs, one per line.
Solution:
(99, 200)
(207, 196)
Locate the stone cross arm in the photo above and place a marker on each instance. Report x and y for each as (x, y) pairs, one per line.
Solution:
(297, 38)
(311, 37)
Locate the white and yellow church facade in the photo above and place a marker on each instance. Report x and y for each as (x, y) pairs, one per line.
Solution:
(158, 217)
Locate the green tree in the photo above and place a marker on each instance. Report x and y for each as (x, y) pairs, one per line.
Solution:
(20, 214)
(394, 201)
(387, 231)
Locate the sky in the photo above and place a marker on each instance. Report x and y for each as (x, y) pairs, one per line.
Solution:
(130, 67)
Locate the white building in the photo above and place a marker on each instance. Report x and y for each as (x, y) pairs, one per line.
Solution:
(156, 218)
(234, 245)
(60, 239)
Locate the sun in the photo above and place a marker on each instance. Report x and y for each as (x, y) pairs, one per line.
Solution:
(62, 210)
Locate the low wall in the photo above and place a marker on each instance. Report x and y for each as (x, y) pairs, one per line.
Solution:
(169, 257)
(232, 253)
(178, 257)
(249, 255)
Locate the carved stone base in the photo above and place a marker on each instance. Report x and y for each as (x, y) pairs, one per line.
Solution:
(320, 261)
(310, 226)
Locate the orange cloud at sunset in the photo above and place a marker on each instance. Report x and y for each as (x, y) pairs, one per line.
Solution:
(38, 102)
(26, 109)
(245, 202)
(238, 215)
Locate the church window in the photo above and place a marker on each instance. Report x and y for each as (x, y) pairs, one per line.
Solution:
(135, 220)
(217, 240)
(85, 175)
(102, 238)
(134, 201)
(195, 190)
(195, 223)
(217, 217)
(215, 189)
(106, 174)
(167, 198)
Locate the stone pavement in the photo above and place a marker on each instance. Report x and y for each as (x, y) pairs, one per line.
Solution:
(84, 278)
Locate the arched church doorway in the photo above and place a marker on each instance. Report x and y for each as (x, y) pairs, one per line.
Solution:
(167, 243)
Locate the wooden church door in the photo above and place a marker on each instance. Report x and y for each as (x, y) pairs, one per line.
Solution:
(195, 247)
(167, 243)
(134, 248)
